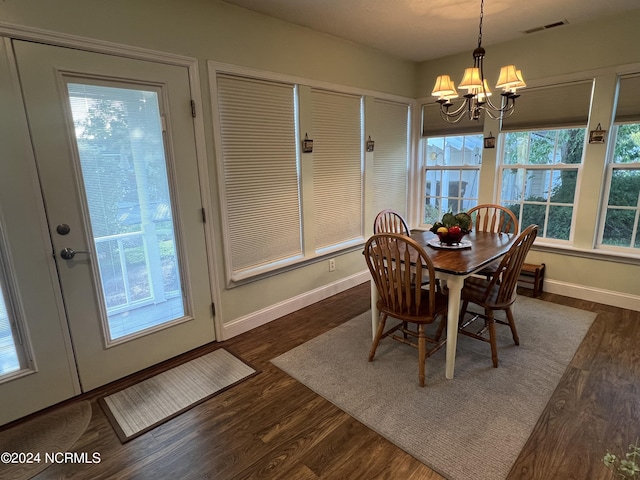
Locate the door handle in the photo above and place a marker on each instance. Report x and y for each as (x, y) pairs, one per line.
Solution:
(68, 253)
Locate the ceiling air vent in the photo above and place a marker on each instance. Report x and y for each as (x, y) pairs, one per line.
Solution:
(546, 27)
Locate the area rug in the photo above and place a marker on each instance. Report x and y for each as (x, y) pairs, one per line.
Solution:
(470, 427)
(32, 443)
(145, 405)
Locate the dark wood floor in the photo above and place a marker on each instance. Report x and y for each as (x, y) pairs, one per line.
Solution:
(272, 427)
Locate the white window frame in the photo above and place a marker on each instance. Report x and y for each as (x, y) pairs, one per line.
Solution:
(611, 168)
(310, 254)
(425, 168)
(542, 238)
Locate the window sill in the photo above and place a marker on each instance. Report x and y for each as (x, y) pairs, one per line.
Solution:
(273, 269)
(593, 254)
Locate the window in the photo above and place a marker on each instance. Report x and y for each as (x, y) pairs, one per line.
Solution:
(450, 155)
(260, 173)
(12, 354)
(539, 175)
(8, 354)
(621, 210)
(280, 206)
(391, 156)
(451, 172)
(540, 156)
(337, 168)
(126, 180)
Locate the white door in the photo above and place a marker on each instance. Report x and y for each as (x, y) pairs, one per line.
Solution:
(37, 368)
(113, 141)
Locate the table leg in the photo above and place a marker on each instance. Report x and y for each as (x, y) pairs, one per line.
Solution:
(375, 315)
(454, 284)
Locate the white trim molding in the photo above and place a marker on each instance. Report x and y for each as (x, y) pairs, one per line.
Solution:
(273, 312)
(598, 295)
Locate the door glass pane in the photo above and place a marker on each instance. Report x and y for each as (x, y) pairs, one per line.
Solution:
(120, 143)
(10, 349)
(8, 354)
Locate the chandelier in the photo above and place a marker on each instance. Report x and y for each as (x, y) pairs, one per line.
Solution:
(477, 97)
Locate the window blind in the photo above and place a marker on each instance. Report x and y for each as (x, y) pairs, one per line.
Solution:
(260, 171)
(390, 131)
(433, 125)
(628, 108)
(337, 167)
(563, 105)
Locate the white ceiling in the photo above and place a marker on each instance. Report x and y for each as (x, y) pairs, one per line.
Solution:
(421, 30)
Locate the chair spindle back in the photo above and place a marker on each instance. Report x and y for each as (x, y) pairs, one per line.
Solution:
(511, 265)
(493, 218)
(390, 221)
(393, 259)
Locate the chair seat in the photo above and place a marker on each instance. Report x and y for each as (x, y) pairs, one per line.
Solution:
(423, 315)
(490, 269)
(475, 291)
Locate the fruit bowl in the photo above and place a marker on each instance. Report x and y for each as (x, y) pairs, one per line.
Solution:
(451, 237)
(452, 228)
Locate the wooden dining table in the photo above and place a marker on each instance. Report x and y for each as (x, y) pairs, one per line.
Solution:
(452, 266)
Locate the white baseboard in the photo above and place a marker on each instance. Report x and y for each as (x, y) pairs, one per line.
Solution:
(606, 297)
(273, 312)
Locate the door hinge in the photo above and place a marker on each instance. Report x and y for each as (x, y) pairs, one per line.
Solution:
(204, 216)
(193, 109)
(213, 309)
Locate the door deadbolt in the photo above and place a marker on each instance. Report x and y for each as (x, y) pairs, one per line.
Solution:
(63, 229)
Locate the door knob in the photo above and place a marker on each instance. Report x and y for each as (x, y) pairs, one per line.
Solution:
(68, 253)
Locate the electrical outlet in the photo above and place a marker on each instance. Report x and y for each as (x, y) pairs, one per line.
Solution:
(332, 264)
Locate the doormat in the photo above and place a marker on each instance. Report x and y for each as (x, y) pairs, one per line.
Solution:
(145, 405)
(31, 446)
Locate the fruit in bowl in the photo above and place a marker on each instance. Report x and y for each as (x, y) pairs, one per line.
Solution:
(452, 228)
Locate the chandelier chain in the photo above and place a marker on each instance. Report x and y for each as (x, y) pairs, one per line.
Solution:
(480, 27)
(476, 101)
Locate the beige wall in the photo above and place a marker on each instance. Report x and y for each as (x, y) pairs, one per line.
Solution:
(213, 30)
(599, 50)
(570, 49)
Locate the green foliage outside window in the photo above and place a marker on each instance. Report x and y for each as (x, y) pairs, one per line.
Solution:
(624, 190)
(627, 144)
(545, 147)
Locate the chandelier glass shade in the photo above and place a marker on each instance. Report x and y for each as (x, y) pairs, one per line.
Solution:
(477, 98)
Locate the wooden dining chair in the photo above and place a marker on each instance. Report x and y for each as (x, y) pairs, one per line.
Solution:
(497, 293)
(392, 259)
(490, 217)
(390, 221)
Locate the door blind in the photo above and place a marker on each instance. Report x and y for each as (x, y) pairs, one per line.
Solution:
(260, 171)
(337, 167)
